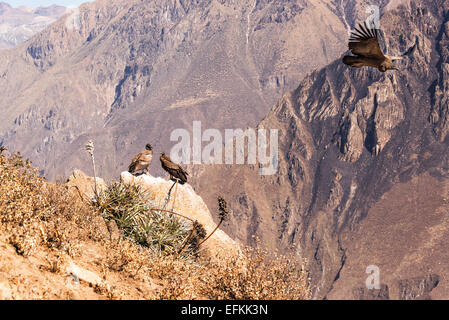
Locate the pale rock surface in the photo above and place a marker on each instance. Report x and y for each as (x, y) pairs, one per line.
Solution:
(5, 291)
(85, 184)
(79, 273)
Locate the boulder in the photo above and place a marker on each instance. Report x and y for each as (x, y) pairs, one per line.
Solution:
(85, 184)
(80, 274)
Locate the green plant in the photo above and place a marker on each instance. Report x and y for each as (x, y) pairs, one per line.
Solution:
(129, 207)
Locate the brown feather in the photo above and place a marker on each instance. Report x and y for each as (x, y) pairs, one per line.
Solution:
(175, 170)
(368, 48)
(364, 44)
(141, 161)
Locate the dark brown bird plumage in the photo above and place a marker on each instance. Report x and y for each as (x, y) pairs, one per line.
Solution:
(364, 44)
(142, 161)
(175, 170)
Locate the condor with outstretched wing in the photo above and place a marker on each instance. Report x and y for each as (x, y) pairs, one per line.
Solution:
(364, 45)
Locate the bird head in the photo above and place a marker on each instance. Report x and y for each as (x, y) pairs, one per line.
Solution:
(387, 65)
(148, 147)
(162, 154)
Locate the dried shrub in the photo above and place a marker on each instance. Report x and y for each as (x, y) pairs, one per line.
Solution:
(39, 214)
(126, 256)
(256, 275)
(55, 264)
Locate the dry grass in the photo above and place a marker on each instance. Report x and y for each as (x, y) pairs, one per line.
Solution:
(36, 213)
(42, 216)
(256, 274)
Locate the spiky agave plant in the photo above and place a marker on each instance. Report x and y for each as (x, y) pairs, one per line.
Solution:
(129, 207)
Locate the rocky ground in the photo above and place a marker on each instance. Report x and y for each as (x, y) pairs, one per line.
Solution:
(62, 241)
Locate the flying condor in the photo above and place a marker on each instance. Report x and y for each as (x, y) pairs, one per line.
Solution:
(364, 46)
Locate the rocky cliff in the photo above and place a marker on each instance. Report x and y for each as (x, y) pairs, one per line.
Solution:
(363, 169)
(125, 73)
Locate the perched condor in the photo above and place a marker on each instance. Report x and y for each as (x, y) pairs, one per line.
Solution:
(175, 170)
(142, 161)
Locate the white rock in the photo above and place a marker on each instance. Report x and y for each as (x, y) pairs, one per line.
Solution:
(84, 275)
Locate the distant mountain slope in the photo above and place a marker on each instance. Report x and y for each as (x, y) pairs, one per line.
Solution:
(130, 72)
(20, 24)
(364, 169)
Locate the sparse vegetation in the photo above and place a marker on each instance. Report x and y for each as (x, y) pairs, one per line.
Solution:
(34, 212)
(129, 207)
(257, 274)
(47, 219)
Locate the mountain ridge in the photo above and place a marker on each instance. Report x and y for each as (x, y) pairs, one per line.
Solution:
(18, 24)
(128, 64)
(346, 138)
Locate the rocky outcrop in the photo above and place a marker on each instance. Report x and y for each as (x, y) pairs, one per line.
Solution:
(85, 185)
(418, 288)
(371, 294)
(77, 274)
(185, 201)
(440, 102)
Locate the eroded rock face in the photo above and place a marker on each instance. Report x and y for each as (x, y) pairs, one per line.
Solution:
(371, 294)
(418, 288)
(125, 73)
(440, 102)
